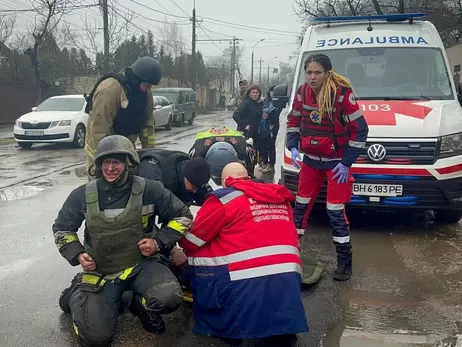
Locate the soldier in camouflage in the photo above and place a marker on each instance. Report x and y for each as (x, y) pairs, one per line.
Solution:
(243, 85)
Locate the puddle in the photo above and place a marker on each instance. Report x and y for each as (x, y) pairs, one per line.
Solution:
(25, 191)
(78, 172)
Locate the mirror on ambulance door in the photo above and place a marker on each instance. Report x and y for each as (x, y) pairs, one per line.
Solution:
(280, 97)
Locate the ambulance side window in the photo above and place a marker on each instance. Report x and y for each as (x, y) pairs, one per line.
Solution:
(442, 75)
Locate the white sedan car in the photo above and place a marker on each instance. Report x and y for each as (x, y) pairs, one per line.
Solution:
(57, 119)
(163, 112)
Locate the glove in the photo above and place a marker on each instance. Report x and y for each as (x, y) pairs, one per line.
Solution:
(341, 172)
(295, 154)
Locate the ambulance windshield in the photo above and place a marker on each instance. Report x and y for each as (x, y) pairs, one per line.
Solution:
(392, 72)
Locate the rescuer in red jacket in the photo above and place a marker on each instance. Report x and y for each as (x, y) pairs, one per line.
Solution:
(328, 128)
(244, 261)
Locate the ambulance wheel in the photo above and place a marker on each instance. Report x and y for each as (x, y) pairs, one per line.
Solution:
(448, 216)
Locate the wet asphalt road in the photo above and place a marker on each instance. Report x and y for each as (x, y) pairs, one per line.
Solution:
(405, 291)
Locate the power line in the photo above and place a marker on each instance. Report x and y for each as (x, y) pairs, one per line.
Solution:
(179, 7)
(79, 7)
(165, 13)
(252, 27)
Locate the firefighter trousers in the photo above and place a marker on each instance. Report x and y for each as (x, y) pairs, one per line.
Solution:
(309, 184)
(95, 311)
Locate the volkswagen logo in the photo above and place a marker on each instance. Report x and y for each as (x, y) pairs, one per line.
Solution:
(376, 152)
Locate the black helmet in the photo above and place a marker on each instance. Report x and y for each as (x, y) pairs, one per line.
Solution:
(218, 156)
(115, 145)
(148, 70)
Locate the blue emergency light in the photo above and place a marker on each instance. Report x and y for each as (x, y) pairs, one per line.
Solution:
(388, 17)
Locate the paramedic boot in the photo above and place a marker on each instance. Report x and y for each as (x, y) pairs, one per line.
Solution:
(343, 272)
(65, 297)
(152, 322)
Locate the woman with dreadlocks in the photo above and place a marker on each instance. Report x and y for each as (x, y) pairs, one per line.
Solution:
(328, 128)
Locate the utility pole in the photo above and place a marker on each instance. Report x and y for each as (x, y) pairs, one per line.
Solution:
(259, 79)
(251, 70)
(233, 65)
(105, 10)
(193, 44)
(267, 79)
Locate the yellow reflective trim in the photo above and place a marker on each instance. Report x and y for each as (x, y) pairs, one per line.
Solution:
(176, 226)
(151, 140)
(92, 279)
(76, 329)
(145, 219)
(65, 239)
(143, 302)
(187, 297)
(145, 132)
(90, 151)
(126, 273)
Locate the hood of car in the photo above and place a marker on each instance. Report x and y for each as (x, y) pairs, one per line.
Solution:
(48, 116)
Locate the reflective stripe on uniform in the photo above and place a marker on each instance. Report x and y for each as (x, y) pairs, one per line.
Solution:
(173, 224)
(88, 278)
(63, 238)
(302, 200)
(356, 144)
(231, 196)
(151, 140)
(340, 239)
(90, 151)
(352, 117)
(147, 209)
(310, 108)
(296, 113)
(126, 273)
(265, 271)
(301, 231)
(340, 98)
(335, 207)
(145, 132)
(244, 255)
(293, 130)
(320, 158)
(194, 239)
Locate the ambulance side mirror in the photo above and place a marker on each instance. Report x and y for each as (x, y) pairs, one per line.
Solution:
(280, 97)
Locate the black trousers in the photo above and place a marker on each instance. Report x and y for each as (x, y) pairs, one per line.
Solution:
(267, 147)
(95, 312)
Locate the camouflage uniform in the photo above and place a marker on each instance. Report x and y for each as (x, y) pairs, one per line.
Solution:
(108, 99)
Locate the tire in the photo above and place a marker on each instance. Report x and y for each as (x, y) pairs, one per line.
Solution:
(79, 136)
(181, 122)
(190, 121)
(25, 145)
(169, 124)
(448, 216)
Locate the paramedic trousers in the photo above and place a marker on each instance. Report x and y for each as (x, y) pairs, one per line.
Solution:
(95, 310)
(310, 182)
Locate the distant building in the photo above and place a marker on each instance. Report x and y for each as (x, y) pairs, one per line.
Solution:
(455, 61)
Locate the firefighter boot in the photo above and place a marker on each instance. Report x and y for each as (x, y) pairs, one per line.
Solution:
(65, 297)
(152, 322)
(343, 272)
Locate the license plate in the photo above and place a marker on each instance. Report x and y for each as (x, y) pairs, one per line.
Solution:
(377, 189)
(34, 133)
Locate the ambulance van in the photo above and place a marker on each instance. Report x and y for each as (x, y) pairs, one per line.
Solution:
(402, 79)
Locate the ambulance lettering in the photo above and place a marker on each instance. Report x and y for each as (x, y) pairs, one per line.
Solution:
(349, 41)
(384, 113)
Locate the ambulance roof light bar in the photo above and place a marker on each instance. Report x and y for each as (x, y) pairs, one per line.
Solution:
(397, 17)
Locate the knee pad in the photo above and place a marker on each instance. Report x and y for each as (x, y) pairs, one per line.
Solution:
(165, 299)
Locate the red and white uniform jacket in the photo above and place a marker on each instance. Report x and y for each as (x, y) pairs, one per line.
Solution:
(243, 247)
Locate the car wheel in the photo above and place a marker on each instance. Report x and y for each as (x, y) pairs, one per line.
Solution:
(181, 122)
(191, 120)
(448, 216)
(169, 124)
(79, 136)
(25, 145)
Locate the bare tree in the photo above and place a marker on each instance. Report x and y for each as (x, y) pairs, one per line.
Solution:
(218, 72)
(171, 32)
(7, 24)
(48, 15)
(91, 38)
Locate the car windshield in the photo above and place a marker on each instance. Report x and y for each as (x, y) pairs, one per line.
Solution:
(61, 104)
(391, 73)
(171, 96)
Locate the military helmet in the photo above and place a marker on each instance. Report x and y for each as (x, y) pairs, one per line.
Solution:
(116, 144)
(218, 156)
(148, 70)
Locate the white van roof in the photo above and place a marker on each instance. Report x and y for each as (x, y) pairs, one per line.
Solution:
(387, 30)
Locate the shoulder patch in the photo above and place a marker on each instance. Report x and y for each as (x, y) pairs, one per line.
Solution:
(352, 99)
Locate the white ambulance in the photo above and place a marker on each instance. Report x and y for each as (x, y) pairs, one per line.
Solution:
(401, 75)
